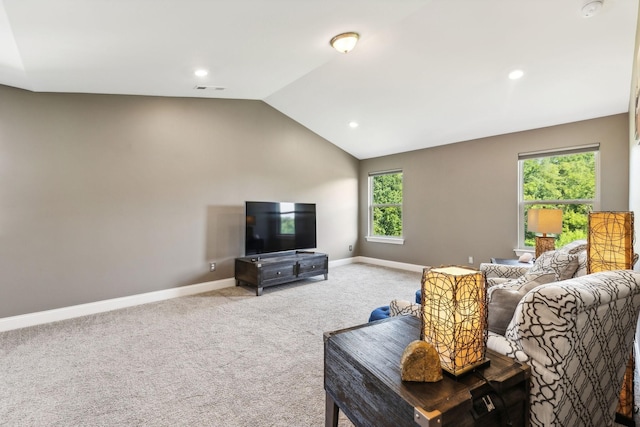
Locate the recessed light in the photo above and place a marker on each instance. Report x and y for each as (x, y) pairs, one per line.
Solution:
(516, 74)
(591, 8)
(353, 125)
(201, 73)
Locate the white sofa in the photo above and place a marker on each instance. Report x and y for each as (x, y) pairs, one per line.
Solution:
(574, 330)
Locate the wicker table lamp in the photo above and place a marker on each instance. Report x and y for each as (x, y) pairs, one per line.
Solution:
(610, 247)
(454, 314)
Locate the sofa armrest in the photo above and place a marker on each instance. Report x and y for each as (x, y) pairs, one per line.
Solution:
(507, 347)
(502, 271)
(555, 316)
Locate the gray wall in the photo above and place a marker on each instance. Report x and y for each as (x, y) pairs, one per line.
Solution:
(461, 200)
(106, 196)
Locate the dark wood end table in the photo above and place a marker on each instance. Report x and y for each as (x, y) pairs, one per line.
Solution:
(362, 379)
(507, 261)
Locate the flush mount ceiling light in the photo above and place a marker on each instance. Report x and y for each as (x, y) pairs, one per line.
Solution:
(345, 42)
(201, 73)
(353, 125)
(591, 8)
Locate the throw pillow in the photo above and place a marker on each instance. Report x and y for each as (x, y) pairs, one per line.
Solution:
(504, 298)
(582, 264)
(563, 264)
(574, 247)
(525, 257)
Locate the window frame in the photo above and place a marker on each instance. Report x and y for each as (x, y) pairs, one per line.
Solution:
(371, 237)
(595, 202)
(290, 213)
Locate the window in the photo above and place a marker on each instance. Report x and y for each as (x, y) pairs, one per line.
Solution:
(566, 180)
(385, 207)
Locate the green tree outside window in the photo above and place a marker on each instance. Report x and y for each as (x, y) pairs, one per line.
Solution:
(287, 218)
(566, 182)
(386, 205)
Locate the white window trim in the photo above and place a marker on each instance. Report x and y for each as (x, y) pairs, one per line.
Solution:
(595, 148)
(394, 240)
(383, 239)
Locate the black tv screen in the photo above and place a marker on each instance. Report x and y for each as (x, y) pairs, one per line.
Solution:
(279, 226)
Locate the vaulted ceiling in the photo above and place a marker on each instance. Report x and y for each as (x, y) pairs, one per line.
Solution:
(425, 72)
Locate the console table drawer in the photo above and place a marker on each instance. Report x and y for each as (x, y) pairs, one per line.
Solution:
(315, 266)
(278, 272)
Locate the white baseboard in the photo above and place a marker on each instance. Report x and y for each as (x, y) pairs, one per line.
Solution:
(376, 261)
(41, 317)
(38, 318)
(390, 264)
(339, 262)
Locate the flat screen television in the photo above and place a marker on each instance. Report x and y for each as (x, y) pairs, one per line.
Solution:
(279, 226)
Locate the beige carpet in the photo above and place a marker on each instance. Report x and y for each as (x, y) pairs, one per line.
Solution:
(224, 358)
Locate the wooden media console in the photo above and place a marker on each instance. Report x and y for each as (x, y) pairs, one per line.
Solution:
(261, 271)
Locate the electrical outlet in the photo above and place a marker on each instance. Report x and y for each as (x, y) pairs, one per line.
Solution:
(212, 266)
(470, 260)
(350, 248)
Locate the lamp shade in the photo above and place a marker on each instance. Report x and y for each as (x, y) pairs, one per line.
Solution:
(454, 314)
(610, 247)
(545, 221)
(610, 241)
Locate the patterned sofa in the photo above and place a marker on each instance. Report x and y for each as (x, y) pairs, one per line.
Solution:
(575, 330)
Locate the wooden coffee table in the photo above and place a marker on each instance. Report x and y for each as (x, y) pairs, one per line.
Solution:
(362, 379)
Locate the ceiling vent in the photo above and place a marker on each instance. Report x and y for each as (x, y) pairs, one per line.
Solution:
(201, 87)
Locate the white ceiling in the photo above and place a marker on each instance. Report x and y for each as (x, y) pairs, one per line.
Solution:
(425, 72)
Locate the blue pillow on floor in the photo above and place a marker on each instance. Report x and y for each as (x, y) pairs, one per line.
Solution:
(379, 313)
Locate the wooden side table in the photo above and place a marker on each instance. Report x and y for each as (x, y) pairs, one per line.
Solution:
(507, 261)
(362, 379)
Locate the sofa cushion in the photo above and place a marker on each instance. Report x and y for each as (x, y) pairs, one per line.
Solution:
(563, 264)
(404, 308)
(504, 298)
(492, 281)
